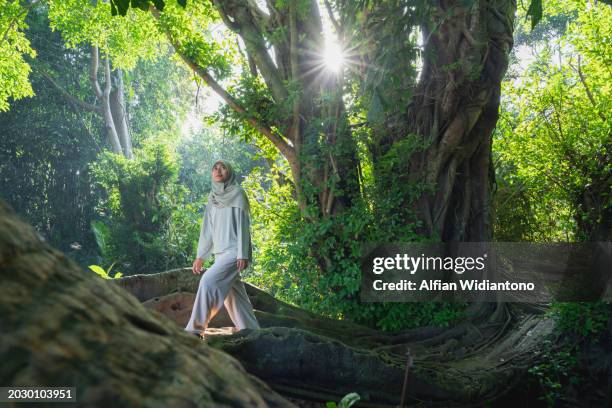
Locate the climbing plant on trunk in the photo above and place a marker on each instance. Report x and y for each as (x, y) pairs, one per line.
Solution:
(432, 87)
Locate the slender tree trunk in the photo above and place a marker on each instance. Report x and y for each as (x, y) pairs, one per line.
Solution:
(328, 154)
(112, 105)
(594, 207)
(117, 106)
(104, 96)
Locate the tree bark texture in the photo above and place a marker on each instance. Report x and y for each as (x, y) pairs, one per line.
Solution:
(453, 111)
(63, 326)
(304, 355)
(461, 120)
(117, 106)
(112, 105)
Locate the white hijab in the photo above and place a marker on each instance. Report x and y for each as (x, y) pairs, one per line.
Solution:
(230, 194)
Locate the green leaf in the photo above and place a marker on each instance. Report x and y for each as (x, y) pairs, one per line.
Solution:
(118, 275)
(99, 270)
(110, 268)
(101, 232)
(349, 400)
(535, 12)
(113, 8)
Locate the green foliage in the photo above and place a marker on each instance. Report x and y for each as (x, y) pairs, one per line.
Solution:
(553, 138)
(120, 7)
(102, 233)
(14, 47)
(282, 239)
(158, 96)
(251, 93)
(554, 372)
(125, 39)
(105, 273)
(535, 12)
(286, 247)
(150, 226)
(578, 325)
(45, 147)
(580, 320)
(394, 193)
(191, 31)
(399, 316)
(346, 402)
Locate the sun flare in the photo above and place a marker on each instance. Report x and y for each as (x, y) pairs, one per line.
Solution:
(333, 56)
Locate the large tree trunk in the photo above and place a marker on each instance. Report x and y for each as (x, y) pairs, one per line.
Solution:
(454, 110)
(462, 118)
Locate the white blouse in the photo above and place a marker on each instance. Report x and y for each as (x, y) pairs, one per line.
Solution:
(222, 229)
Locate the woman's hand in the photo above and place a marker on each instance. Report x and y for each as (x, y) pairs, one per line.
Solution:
(242, 264)
(197, 265)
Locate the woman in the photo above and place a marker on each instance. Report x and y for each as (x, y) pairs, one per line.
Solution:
(225, 231)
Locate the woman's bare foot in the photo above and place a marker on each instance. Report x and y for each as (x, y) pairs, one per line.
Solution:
(201, 336)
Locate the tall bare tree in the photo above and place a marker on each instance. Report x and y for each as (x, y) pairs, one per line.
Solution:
(112, 102)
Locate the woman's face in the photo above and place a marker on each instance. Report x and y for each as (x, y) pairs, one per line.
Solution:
(220, 173)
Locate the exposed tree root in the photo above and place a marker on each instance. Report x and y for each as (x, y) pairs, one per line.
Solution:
(311, 357)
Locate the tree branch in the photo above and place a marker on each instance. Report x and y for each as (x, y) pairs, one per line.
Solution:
(252, 66)
(335, 23)
(107, 77)
(261, 18)
(24, 10)
(293, 39)
(104, 97)
(588, 90)
(67, 95)
(93, 71)
(278, 141)
(239, 19)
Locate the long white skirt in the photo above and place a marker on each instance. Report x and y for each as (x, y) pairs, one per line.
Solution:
(221, 285)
